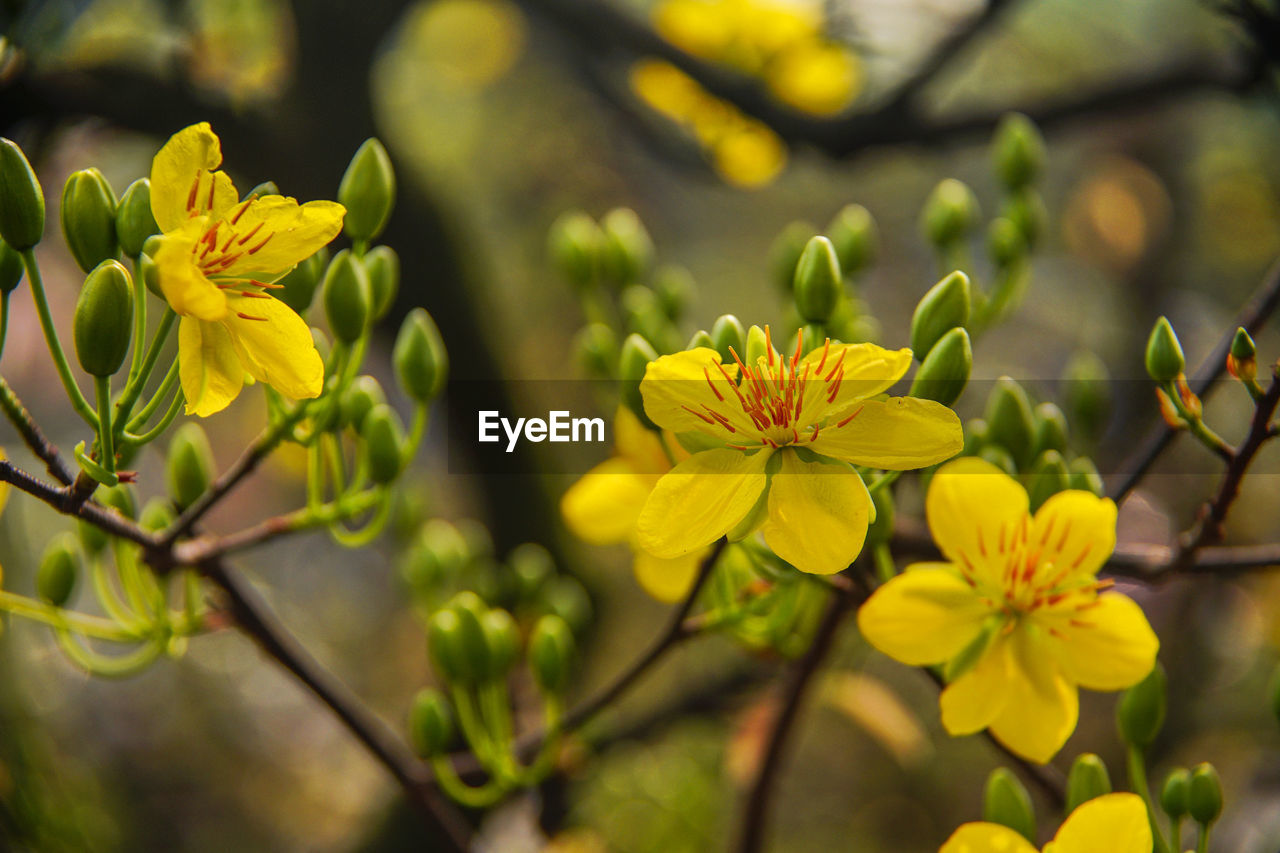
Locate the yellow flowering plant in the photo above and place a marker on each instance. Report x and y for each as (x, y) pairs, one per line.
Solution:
(1116, 823)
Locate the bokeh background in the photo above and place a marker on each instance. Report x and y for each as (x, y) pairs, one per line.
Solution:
(1163, 192)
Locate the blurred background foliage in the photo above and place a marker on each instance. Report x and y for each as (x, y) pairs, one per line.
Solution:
(499, 119)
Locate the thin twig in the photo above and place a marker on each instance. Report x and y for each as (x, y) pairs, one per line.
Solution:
(66, 500)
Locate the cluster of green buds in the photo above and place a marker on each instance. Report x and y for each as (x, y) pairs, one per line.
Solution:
(1179, 405)
(1031, 443)
(474, 649)
(940, 340)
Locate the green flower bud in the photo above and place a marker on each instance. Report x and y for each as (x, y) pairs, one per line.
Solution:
(975, 436)
(1085, 476)
(438, 554)
(1000, 458)
(298, 287)
(1175, 793)
(21, 199)
(550, 651)
(642, 314)
(472, 645)
(854, 235)
(784, 254)
(503, 641)
(150, 275)
(1026, 210)
(383, 266)
(1005, 243)
(701, 339)
(189, 466)
(531, 564)
(1204, 798)
(263, 189)
(92, 537)
(818, 284)
(568, 599)
(1018, 151)
(445, 647)
(759, 346)
(727, 332)
(421, 361)
(89, 218)
(815, 335)
(1006, 802)
(59, 568)
(324, 348)
(1242, 346)
(1051, 429)
(1087, 780)
(367, 191)
(103, 322)
(950, 212)
(1165, 361)
(1009, 420)
(596, 349)
(11, 269)
(944, 307)
(575, 244)
(347, 297)
(134, 219)
(1087, 394)
(157, 514)
(430, 723)
(674, 286)
(364, 393)
(627, 251)
(1242, 361)
(1047, 477)
(945, 371)
(383, 436)
(1140, 711)
(632, 360)
(881, 530)
(119, 498)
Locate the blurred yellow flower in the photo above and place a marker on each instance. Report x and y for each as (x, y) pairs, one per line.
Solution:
(787, 434)
(602, 507)
(218, 257)
(1116, 823)
(1017, 611)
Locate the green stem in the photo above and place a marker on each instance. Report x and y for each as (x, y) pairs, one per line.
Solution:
(110, 599)
(106, 445)
(81, 623)
(1202, 844)
(139, 323)
(362, 536)
(162, 393)
(473, 730)
(885, 568)
(133, 390)
(459, 791)
(74, 394)
(888, 478)
(155, 432)
(1137, 766)
(104, 665)
(1175, 835)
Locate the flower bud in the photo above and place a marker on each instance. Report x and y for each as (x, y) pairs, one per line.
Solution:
(367, 191)
(975, 436)
(854, 235)
(347, 300)
(1018, 151)
(642, 314)
(1047, 477)
(189, 466)
(627, 251)
(103, 322)
(1006, 802)
(818, 284)
(550, 651)
(944, 307)
(1242, 361)
(1175, 793)
(567, 598)
(1087, 780)
(1140, 711)
(150, 274)
(814, 336)
(1165, 361)
(383, 436)
(89, 218)
(59, 568)
(945, 371)
(1085, 476)
(157, 514)
(383, 266)
(759, 347)
(596, 348)
(784, 254)
(472, 645)
(324, 347)
(421, 361)
(134, 220)
(444, 645)
(1026, 210)
(1087, 394)
(430, 723)
(1000, 458)
(531, 564)
(1005, 243)
(364, 393)
(634, 357)
(727, 332)
(263, 189)
(438, 554)
(950, 212)
(674, 286)
(503, 641)
(1050, 430)
(11, 269)
(881, 530)
(21, 199)
(298, 286)
(92, 537)
(1009, 420)
(700, 340)
(575, 244)
(1204, 797)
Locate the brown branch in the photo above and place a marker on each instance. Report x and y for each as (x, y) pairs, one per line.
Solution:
(68, 501)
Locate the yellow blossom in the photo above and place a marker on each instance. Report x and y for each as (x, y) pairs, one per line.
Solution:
(1017, 610)
(218, 258)
(787, 432)
(602, 507)
(1116, 823)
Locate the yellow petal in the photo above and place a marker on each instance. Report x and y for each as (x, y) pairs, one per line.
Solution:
(865, 370)
(1042, 707)
(275, 233)
(900, 433)
(602, 507)
(974, 510)
(275, 345)
(700, 500)
(640, 445)
(1075, 530)
(921, 617)
(667, 580)
(1109, 646)
(974, 700)
(210, 373)
(692, 380)
(184, 183)
(818, 514)
(986, 838)
(185, 287)
(1117, 823)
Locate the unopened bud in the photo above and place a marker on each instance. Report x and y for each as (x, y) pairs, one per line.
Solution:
(853, 233)
(1009, 420)
(726, 333)
(444, 645)
(11, 269)
(21, 199)
(945, 371)
(364, 393)
(634, 357)
(818, 284)
(59, 568)
(347, 300)
(1190, 401)
(1140, 711)
(103, 322)
(1175, 793)
(674, 286)
(975, 436)
(531, 564)
(89, 218)
(367, 191)
(1048, 476)
(1168, 411)
(157, 514)
(190, 465)
(265, 188)
(420, 359)
(760, 346)
(1051, 429)
(596, 349)
(627, 249)
(1005, 243)
(1165, 361)
(1018, 151)
(784, 254)
(1204, 799)
(503, 641)
(383, 266)
(575, 243)
(1087, 394)
(700, 339)
(1000, 458)
(1242, 361)
(550, 651)
(1006, 802)
(1085, 476)
(430, 723)
(1026, 210)
(567, 598)
(134, 220)
(642, 314)
(1087, 780)
(950, 212)
(298, 287)
(383, 436)
(944, 307)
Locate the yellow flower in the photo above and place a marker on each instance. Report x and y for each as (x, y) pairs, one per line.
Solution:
(1116, 823)
(1017, 609)
(218, 257)
(602, 507)
(788, 432)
